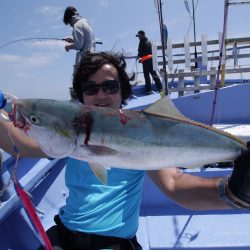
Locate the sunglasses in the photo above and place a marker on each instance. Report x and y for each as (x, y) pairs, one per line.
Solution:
(108, 87)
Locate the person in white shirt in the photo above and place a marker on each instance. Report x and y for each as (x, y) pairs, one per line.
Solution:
(83, 37)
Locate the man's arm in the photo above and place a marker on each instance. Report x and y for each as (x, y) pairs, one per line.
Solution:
(187, 190)
(25, 145)
(199, 193)
(78, 41)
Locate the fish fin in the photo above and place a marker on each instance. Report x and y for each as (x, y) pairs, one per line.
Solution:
(100, 172)
(166, 108)
(100, 150)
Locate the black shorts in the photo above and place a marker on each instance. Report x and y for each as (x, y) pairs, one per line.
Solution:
(66, 239)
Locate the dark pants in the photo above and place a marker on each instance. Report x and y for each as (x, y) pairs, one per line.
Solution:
(147, 70)
(66, 239)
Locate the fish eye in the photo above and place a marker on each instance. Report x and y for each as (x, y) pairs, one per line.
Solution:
(34, 120)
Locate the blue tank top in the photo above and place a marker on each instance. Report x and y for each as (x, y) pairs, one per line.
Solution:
(110, 210)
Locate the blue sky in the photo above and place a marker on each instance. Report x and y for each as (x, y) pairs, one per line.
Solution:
(42, 69)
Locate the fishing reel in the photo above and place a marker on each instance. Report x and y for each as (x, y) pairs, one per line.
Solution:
(6, 101)
(3, 100)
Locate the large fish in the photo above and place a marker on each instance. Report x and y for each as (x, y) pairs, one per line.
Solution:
(155, 138)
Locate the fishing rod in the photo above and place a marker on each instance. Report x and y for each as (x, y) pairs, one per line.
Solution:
(37, 38)
(29, 39)
(194, 28)
(159, 7)
(220, 60)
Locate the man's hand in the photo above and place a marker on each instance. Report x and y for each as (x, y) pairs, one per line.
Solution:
(68, 47)
(68, 39)
(239, 182)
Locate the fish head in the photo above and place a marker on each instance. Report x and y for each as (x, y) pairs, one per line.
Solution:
(47, 123)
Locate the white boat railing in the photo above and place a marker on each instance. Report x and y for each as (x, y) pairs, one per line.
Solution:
(180, 65)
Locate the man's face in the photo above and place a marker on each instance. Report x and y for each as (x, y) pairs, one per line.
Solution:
(102, 99)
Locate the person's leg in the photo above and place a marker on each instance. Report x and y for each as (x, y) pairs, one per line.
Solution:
(155, 76)
(146, 70)
(157, 81)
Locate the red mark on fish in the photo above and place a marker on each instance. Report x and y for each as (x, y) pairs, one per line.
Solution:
(124, 118)
(87, 121)
(83, 124)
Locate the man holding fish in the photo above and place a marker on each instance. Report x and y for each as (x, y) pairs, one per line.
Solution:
(110, 150)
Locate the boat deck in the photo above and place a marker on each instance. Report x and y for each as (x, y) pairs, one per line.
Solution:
(165, 225)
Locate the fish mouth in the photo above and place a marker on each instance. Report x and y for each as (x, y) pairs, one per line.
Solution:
(17, 117)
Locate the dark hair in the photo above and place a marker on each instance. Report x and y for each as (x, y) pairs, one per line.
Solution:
(92, 62)
(141, 32)
(68, 13)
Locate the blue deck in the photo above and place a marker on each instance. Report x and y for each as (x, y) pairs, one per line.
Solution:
(162, 224)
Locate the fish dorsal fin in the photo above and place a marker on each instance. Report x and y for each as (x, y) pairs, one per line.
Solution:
(100, 172)
(165, 107)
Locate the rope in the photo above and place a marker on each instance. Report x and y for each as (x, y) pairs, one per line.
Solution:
(6, 186)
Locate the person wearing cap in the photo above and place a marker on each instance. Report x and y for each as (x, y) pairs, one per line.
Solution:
(83, 37)
(145, 55)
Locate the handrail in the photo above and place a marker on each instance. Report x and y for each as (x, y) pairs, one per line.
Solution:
(228, 41)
